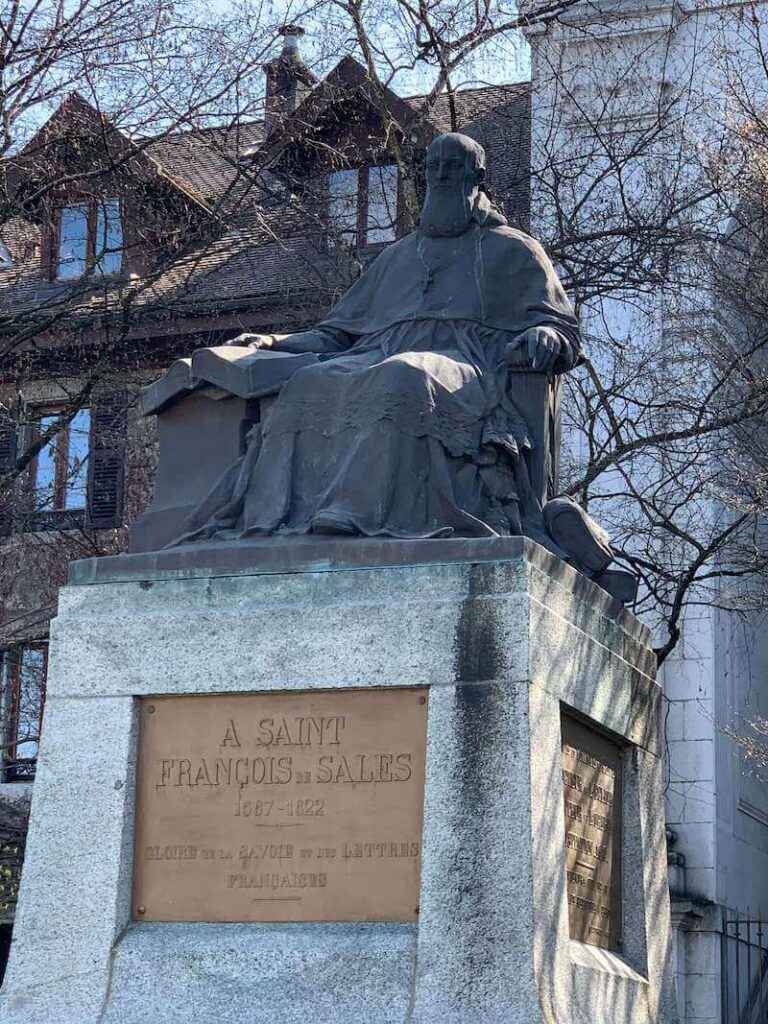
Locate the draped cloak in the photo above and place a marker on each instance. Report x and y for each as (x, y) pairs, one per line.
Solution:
(406, 425)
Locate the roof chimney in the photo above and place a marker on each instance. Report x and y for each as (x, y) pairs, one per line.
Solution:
(291, 35)
(288, 80)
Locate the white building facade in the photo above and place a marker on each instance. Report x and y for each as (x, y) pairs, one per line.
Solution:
(630, 100)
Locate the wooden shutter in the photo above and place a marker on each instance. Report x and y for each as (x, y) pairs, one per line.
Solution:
(8, 441)
(106, 460)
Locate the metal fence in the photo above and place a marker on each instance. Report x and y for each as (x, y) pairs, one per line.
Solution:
(744, 969)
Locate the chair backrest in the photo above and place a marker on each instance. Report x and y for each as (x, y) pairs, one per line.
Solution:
(199, 434)
(537, 397)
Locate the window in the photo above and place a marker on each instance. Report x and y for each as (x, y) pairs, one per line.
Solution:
(25, 672)
(90, 239)
(76, 479)
(382, 204)
(342, 208)
(6, 259)
(60, 471)
(108, 254)
(73, 241)
(362, 206)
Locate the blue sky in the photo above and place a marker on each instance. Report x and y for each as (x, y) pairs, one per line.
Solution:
(328, 38)
(248, 29)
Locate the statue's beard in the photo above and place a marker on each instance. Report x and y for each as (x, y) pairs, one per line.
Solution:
(446, 213)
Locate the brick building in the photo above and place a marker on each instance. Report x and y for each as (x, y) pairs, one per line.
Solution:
(123, 254)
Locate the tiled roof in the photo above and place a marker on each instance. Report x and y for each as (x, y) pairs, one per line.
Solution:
(256, 260)
(472, 105)
(206, 161)
(244, 264)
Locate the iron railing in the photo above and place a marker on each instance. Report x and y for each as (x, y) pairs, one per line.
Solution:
(744, 969)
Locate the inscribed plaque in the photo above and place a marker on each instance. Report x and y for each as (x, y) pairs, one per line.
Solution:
(592, 783)
(280, 807)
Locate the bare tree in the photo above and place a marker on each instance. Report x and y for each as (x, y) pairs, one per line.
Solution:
(103, 108)
(130, 92)
(635, 209)
(644, 157)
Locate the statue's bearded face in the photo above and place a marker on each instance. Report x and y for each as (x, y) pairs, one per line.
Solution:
(453, 176)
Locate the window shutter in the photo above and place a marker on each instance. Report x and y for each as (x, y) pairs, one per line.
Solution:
(106, 460)
(8, 441)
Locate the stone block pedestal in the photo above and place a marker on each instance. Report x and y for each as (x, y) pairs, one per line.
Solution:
(504, 636)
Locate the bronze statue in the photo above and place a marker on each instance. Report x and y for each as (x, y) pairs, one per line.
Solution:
(403, 416)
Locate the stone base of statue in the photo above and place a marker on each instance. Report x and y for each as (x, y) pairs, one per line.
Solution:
(386, 783)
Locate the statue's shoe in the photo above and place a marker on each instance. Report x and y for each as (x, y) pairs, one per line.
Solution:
(619, 583)
(333, 522)
(576, 532)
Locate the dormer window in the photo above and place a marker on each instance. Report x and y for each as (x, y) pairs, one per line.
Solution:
(343, 201)
(381, 212)
(90, 239)
(362, 206)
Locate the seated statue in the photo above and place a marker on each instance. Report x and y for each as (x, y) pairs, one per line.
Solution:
(405, 423)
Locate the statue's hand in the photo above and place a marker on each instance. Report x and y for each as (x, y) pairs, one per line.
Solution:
(538, 347)
(252, 340)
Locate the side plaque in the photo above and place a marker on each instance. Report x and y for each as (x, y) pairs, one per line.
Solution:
(280, 807)
(592, 783)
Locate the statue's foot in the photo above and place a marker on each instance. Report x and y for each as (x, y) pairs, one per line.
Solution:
(333, 522)
(573, 530)
(620, 584)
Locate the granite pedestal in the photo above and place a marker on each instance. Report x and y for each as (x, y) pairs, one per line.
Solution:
(504, 636)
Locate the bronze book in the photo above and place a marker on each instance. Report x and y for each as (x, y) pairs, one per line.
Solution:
(247, 372)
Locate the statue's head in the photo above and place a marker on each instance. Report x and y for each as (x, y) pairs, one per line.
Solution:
(455, 172)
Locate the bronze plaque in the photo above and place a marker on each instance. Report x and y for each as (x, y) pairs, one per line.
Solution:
(592, 783)
(280, 807)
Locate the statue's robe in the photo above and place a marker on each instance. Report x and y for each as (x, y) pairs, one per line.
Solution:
(405, 426)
